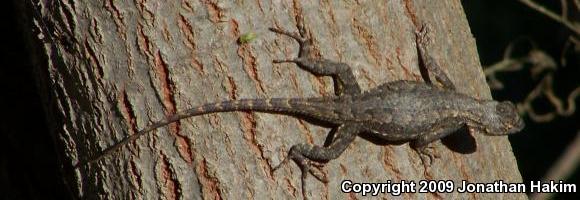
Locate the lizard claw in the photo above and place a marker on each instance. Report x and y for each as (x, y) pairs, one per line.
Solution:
(284, 162)
(318, 165)
(427, 156)
(315, 168)
(300, 36)
(297, 37)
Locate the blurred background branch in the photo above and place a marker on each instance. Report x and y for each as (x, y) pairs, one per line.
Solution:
(562, 19)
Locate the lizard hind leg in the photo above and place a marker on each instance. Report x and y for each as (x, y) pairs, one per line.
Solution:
(341, 73)
(306, 156)
(421, 41)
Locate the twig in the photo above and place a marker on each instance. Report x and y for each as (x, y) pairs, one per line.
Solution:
(564, 4)
(545, 87)
(527, 108)
(569, 42)
(552, 15)
(538, 59)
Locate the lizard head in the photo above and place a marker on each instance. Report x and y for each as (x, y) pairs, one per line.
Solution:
(502, 118)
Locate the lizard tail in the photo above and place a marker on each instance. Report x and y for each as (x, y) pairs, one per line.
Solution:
(307, 107)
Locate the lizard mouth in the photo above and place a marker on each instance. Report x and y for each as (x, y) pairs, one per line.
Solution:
(507, 129)
(519, 125)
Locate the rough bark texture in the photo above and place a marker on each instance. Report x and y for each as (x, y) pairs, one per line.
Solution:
(119, 65)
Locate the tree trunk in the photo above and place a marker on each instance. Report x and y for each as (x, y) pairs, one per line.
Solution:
(115, 67)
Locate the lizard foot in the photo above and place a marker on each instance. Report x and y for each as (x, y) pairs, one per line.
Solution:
(310, 60)
(305, 43)
(307, 50)
(306, 165)
(300, 36)
(427, 156)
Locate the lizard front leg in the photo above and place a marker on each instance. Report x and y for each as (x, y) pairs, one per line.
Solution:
(437, 131)
(341, 73)
(304, 154)
(427, 61)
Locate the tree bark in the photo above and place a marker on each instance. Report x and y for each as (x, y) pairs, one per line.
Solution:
(115, 67)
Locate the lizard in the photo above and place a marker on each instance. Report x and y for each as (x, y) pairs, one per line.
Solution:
(399, 111)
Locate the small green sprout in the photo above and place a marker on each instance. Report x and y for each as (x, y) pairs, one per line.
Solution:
(247, 37)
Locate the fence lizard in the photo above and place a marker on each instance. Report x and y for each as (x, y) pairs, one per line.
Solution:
(398, 111)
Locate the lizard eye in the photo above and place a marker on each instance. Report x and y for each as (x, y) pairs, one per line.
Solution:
(504, 108)
(500, 109)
